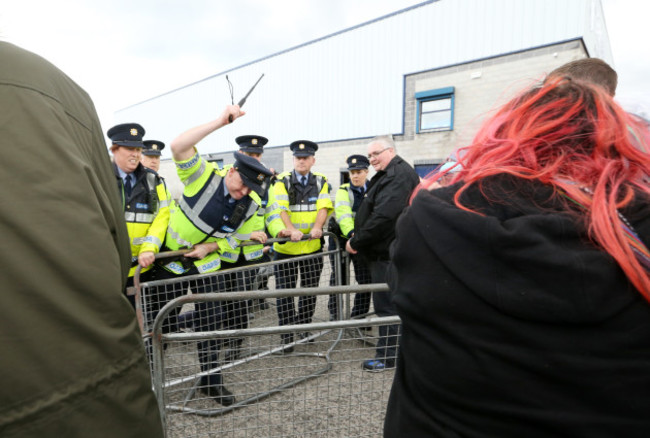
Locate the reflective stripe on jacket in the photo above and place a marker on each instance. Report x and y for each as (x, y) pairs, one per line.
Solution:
(146, 212)
(343, 209)
(192, 220)
(302, 205)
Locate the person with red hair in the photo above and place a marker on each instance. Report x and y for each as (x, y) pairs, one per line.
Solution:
(524, 286)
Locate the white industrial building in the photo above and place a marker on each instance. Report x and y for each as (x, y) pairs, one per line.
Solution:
(427, 75)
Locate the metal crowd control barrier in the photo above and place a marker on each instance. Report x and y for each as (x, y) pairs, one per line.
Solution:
(319, 389)
(274, 388)
(145, 298)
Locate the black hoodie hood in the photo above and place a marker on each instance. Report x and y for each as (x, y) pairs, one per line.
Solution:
(513, 323)
(527, 255)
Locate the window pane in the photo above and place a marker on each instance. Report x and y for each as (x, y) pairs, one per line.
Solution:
(436, 105)
(437, 120)
(424, 169)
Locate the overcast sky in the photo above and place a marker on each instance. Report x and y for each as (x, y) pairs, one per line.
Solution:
(126, 51)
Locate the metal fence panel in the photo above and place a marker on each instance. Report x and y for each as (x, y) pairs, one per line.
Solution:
(314, 270)
(319, 389)
(302, 377)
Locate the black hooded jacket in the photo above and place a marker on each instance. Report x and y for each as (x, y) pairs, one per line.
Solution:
(388, 194)
(514, 324)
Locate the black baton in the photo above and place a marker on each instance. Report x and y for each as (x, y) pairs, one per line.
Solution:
(243, 100)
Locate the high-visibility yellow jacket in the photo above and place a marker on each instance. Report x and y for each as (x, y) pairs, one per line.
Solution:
(230, 249)
(262, 221)
(196, 217)
(146, 212)
(343, 209)
(302, 205)
(265, 221)
(272, 220)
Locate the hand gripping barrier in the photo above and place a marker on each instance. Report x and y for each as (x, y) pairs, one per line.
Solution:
(297, 379)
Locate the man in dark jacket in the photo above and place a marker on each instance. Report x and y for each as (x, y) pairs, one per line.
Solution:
(73, 362)
(388, 194)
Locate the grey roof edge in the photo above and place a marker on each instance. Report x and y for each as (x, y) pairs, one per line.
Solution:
(383, 17)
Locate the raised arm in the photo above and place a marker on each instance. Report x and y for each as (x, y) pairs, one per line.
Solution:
(183, 146)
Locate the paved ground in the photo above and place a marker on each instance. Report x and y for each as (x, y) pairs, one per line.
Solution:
(338, 400)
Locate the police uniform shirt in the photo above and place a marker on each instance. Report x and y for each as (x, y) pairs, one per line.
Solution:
(359, 193)
(228, 204)
(303, 190)
(300, 178)
(222, 210)
(125, 179)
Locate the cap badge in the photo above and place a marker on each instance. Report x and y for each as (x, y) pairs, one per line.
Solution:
(134, 132)
(354, 161)
(254, 141)
(301, 146)
(260, 177)
(154, 147)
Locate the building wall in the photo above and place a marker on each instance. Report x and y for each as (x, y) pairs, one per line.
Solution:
(350, 84)
(480, 88)
(475, 98)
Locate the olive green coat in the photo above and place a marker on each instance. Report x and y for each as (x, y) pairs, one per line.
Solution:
(72, 359)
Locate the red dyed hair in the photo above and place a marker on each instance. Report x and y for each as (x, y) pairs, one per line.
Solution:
(572, 136)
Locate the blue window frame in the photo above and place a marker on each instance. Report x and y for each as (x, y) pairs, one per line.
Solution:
(435, 110)
(425, 167)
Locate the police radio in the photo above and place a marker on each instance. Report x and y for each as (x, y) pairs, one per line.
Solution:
(237, 214)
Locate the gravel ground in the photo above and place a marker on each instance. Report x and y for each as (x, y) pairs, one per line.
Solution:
(324, 391)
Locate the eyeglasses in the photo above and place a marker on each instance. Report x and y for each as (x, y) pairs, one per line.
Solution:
(372, 155)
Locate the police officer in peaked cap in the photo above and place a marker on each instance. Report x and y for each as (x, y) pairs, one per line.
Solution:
(144, 196)
(303, 148)
(303, 203)
(153, 147)
(251, 145)
(227, 202)
(151, 154)
(254, 174)
(358, 162)
(347, 202)
(127, 134)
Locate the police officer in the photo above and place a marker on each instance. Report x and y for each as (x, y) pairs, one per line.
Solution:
(217, 211)
(235, 313)
(347, 202)
(151, 159)
(151, 154)
(253, 146)
(303, 206)
(144, 197)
